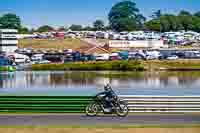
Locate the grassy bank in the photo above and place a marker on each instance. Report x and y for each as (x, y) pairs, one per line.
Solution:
(6, 68)
(164, 65)
(93, 66)
(52, 44)
(176, 65)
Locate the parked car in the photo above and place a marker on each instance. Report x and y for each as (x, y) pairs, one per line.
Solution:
(88, 57)
(124, 54)
(37, 57)
(4, 61)
(68, 59)
(152, 55)
(172, 57)
(136, 56)
(41, 62)
(115, 56)
(192, 55)
(53, 57)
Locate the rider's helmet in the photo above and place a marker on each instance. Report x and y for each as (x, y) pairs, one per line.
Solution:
(107, 87)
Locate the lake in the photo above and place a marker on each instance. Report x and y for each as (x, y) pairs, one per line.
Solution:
(60, 83)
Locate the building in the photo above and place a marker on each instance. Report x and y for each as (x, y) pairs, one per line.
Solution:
(136, 44)
(8, 40)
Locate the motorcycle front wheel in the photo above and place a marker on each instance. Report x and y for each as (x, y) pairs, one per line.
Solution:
(122, 109)
(92, 109)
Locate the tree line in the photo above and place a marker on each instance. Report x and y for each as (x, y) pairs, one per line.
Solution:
(170, 22)
(123, 16)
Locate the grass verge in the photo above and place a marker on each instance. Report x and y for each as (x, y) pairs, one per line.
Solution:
(164, 65)
(7, 68)
(92, 66)
(181, 65)
(57, 44)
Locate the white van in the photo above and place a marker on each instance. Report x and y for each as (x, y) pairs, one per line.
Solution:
(102, 57)
(19, 58)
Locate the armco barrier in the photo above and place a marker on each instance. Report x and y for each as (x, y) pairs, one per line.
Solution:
(163, 103)
(46, 104)
(77, 104)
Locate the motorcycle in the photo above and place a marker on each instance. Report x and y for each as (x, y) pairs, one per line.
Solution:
(98, 105)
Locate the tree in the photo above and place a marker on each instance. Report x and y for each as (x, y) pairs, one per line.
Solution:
(186, 20)
(196, 24)
(123, 16)
(174, 23)
(157, 14)
(107, 27)
(184, 13)
(88, 28)
(153, 25)
(140, 19)
(170, 22)
(98, 25)
(24, 30)
(45, 28)
(197, 14)
(10, 21)
(32, 30)
(165, 25)
(74, 27)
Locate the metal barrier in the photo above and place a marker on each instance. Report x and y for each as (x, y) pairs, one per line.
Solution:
(44, 104)
(163, 103)
(77, 104)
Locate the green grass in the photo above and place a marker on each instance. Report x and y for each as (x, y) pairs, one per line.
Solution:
(56, 44)
(6, 68)
(92, 66)
(175, 65)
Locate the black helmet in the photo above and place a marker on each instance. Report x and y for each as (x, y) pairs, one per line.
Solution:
(107, 87)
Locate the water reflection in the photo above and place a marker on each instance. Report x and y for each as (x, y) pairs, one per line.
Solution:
(126, 82)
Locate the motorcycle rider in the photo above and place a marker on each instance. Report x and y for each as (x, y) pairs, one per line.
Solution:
(108, 97)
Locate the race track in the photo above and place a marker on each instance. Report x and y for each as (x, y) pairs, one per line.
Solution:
(147, 119)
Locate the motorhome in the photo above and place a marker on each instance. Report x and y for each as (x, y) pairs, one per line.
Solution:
(190, 35)
(90, 34)
(102, 35)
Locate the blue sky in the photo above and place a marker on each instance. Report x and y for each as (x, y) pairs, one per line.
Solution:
(66, 12)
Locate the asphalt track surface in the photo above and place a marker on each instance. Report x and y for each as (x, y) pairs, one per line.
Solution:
(44, 120)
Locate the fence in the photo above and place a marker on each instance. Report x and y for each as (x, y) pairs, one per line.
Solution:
(77, 104)
(163, 103)
(44, 104)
